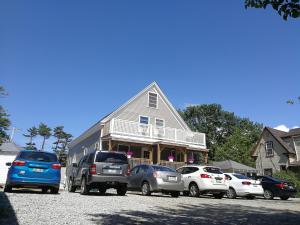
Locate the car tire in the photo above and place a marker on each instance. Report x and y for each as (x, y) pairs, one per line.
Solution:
(268, 194)
(7, 188)
(45, 190)
(71, 186)
(175, 194)
(284, 197)
(231, 193)
(84, 189)
(54, 190)
(122, 191)
(102, 191)
(146, 189)
(194, 190)
(218, 196)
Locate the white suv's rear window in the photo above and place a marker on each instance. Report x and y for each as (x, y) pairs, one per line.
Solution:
(212, 170)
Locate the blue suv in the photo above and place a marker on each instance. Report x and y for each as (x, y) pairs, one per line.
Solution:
(34, 169)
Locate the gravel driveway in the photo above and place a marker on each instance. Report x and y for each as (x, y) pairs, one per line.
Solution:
(72, 208)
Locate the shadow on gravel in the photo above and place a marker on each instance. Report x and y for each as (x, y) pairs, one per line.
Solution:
(30, 191)
(7, 213)
(221, 214)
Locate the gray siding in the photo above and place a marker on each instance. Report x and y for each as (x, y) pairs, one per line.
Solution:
(274, 163)
(140, 107)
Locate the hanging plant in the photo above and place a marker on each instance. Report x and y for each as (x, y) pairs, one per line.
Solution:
(171, 158)
(129, 154)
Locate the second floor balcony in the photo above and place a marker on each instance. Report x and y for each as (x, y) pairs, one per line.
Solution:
(172, 135)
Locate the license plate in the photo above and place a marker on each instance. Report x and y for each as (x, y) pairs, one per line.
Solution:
(111, 171)
(218, 181)
(172, 178)
(38, 170)
(254, 185)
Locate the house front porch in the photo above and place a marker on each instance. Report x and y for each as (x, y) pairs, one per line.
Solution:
(165, 154)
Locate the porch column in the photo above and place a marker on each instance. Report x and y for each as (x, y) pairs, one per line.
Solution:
(185, 156)
(151, 154)
(206, 158)
(109, 145)
(158, 154)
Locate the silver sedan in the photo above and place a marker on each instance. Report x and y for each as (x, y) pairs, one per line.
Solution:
(155, 178)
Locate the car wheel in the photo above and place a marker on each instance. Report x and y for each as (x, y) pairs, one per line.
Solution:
(175, 194)
(284, 197)
(122, 190)
(7, 188)
(194, 190)
(44, 190)
(84, 190)
(146, 189)
(231, 193)
(71, 186)
(268, 194)
(54, 190)
(102, 191)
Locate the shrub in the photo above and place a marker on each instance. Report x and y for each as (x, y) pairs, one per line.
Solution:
(291, 177)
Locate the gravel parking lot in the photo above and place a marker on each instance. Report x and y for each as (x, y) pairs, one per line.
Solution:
(28, 207)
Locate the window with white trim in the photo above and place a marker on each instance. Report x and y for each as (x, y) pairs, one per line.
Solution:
(144, 120)
(269, 149)
(159, 123)
(152, 100)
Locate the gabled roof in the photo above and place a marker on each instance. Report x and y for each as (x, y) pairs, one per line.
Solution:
(230, 164)
(278, 135)
(97, 126)
(162, 95)
(292, 132)
(9, 148)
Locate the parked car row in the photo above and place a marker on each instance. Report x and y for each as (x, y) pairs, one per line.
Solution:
(102, 170)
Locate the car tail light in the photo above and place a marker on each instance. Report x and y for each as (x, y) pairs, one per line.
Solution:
(93, 169)
(246, 182)
(204, 175)
(18, 163)
(281, 186)
(56, 166)
(156, 175)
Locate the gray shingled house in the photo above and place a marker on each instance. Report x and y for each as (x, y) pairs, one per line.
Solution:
(278, 150)
(148, 128)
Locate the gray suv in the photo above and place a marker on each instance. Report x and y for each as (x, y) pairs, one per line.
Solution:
(100, 170)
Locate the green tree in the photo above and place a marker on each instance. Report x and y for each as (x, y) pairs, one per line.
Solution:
(58, 133)
(292, 101)
(224, 131)
(4, 120)
(285, 8)
(45, 132)
(31, 133)
(212, 120)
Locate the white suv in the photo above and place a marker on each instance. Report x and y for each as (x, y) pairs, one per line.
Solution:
(203, 179)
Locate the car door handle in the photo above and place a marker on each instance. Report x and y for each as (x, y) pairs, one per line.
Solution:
(189, 176)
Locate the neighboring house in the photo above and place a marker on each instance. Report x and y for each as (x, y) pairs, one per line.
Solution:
(147, 127)
(8, 152)
(230, 166)
(278, 150)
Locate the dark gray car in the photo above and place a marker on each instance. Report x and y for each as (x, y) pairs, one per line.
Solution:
(100, 170)
(155, 178)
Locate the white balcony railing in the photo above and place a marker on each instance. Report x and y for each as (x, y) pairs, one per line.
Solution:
(128, 128)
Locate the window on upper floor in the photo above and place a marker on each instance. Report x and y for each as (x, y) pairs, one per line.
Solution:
(159, 123)
(269, 149)
(144, 120)
(152, 100)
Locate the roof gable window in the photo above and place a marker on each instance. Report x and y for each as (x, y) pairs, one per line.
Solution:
(152, 100)
(269, 149)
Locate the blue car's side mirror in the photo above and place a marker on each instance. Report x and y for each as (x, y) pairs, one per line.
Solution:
(8, 163)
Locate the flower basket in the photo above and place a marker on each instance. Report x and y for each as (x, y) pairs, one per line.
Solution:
(191, 160)
(171, 158)
(129, 154)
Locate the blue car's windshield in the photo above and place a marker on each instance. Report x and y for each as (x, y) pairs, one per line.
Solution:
(38, 156)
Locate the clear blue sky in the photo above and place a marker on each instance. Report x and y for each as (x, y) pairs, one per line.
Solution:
(71, 62)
